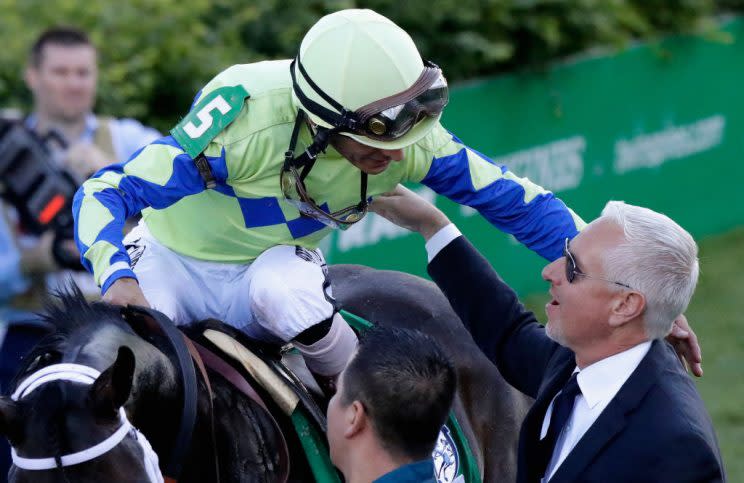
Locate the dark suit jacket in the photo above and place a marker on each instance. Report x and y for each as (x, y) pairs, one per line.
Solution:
(655, 429)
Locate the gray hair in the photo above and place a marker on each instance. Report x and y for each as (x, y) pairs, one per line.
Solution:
(658, 258)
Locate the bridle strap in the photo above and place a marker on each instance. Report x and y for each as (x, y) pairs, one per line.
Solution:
(78, 457)
(86, 375)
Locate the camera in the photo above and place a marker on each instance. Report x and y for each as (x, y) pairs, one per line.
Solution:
(40, 192)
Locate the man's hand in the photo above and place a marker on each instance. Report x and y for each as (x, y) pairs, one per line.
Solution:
(408, 210)
(125, 291)
(83, 159)
(685, 342)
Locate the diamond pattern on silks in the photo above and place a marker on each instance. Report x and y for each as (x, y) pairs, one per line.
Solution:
(259, 212)
(305, 225)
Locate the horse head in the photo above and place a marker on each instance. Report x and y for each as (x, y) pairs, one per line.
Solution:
(66, 419)
(66, 422)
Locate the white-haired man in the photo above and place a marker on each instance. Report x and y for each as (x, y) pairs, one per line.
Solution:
(612, 401)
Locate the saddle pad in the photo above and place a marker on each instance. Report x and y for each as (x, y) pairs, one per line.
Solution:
(280, 391)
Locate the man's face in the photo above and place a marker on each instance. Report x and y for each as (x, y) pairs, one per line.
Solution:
(579, 312)
(64, 82)
(336, 416)
(366, 158)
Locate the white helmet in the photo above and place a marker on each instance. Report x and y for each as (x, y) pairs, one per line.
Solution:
(361, 74)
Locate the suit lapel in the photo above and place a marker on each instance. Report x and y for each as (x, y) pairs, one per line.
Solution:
(614, 417)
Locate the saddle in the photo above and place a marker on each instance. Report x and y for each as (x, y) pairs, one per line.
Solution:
(267, 372)
(278, 374)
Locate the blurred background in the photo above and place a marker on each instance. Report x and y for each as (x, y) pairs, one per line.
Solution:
(639, 100)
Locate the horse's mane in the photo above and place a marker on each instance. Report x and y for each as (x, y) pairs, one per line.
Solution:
(66, 312)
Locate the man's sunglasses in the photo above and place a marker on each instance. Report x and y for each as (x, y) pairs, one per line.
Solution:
(572, 270)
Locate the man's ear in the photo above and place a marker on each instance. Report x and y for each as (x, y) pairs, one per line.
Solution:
(356, 419)
(627, 306)
(30, 75)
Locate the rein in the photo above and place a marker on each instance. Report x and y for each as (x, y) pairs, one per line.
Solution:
(144, 322)
(82, 375)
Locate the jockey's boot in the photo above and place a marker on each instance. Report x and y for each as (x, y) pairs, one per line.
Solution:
(327, 347)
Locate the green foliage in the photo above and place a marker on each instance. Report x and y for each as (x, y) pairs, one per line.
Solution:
(156, 54)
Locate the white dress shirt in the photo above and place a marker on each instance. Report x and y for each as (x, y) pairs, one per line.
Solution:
(441, 239)
(599, 383)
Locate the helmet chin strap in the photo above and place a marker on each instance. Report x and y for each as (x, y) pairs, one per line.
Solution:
(306, 160)
(321, 139)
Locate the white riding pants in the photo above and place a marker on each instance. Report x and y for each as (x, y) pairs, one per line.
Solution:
(282, 293)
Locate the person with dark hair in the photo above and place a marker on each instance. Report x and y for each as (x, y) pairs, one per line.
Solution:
(61, 74)
(613, 403)
(391, 403)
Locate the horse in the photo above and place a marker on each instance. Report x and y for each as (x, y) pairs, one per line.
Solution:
(136, 384)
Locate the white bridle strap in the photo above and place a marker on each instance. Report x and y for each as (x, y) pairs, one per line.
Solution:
(75, 458)
(67, 372)
(83, 375)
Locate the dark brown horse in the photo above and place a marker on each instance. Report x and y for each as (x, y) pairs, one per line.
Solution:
(242, 444)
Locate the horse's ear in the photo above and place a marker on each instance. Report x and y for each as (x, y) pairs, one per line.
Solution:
(10, 419)
(111, 389)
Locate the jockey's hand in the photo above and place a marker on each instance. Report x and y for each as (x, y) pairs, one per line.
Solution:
(685, 342)
(408, 210)
(125, 291)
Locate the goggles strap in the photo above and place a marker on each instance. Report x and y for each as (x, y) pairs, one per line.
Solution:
(363, 192)
(346, 120)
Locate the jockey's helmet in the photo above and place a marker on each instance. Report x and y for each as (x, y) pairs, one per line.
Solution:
(358, 72)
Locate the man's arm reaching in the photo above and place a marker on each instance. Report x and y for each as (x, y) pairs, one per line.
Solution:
(410, 211)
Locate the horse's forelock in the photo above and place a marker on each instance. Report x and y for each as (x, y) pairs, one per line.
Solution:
(67, 311)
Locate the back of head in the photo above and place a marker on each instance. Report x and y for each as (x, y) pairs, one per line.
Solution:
(406, 384)
(64, 36)
(358, 57)
(658, 258)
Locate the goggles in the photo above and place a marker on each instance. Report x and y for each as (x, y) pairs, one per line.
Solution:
(386, 119)
(572, 270)
(295, 193)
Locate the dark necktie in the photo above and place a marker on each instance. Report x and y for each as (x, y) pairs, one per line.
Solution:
(562, 408)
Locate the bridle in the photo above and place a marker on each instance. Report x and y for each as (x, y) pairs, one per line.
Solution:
(80, 374)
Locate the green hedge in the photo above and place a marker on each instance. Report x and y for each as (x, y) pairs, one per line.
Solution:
(155, 54)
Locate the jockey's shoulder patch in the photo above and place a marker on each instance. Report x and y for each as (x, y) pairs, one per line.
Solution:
(208, 118)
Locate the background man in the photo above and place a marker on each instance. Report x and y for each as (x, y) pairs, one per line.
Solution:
(612, 401)
(61, 74)
(391, 403)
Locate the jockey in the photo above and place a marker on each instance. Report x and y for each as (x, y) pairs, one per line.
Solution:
(272, 157)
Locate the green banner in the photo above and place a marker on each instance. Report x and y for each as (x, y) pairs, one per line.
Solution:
(659, 125)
